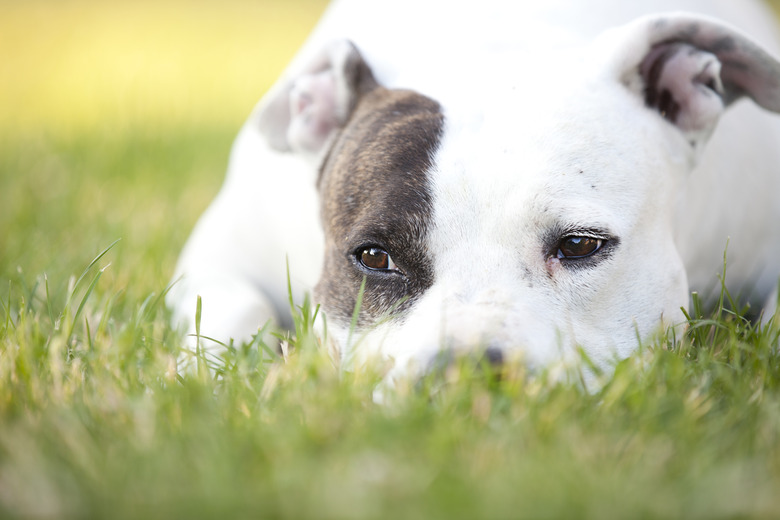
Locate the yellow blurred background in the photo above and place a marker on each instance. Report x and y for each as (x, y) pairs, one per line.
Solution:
(116, 119)
(73, 64)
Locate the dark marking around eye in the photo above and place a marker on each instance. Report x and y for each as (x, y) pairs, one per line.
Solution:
(377, 206)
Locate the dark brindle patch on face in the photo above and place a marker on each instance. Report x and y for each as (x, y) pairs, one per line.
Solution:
(375, 192)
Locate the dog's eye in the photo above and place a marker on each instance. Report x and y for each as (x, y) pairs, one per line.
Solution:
(376, 259)
(574, 247)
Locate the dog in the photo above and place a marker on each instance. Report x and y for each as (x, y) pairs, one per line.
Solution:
(517, 180)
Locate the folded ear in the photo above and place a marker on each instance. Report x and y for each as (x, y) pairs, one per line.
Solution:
(302, 114)
(689, 68)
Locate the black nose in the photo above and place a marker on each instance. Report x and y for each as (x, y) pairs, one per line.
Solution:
(493, 356)
(491, 360)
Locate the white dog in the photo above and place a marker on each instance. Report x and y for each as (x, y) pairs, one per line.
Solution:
(518, 177)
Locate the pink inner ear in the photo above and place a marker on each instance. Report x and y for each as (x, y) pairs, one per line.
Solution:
(683, 83)
(313, 111)
(299, 100)
(302, 115)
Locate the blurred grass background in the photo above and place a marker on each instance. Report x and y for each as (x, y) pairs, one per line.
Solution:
(116, 120)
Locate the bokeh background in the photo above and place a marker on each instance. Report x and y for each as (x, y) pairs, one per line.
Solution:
(116, 119)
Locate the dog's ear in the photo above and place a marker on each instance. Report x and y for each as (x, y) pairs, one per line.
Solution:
(304, 112)
(689, 68)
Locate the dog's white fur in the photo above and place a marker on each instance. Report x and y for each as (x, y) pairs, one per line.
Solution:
(545, 126)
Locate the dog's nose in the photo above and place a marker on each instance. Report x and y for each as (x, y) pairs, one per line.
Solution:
(494, 356)
(490, 360)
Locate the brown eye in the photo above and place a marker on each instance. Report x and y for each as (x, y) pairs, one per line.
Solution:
(578, 247)
(376, 259)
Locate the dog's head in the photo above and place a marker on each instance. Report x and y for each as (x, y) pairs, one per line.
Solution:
(527, 213)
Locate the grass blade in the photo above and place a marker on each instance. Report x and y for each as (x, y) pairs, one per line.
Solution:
(83, 302)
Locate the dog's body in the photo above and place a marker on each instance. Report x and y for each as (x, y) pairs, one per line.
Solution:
(510, 177)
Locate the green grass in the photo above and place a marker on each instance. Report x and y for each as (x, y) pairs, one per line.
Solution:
(95, 422)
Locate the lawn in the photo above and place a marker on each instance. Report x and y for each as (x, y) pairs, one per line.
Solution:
(116, 120)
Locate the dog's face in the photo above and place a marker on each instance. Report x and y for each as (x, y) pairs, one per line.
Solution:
(474, 232)
(526, 222)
